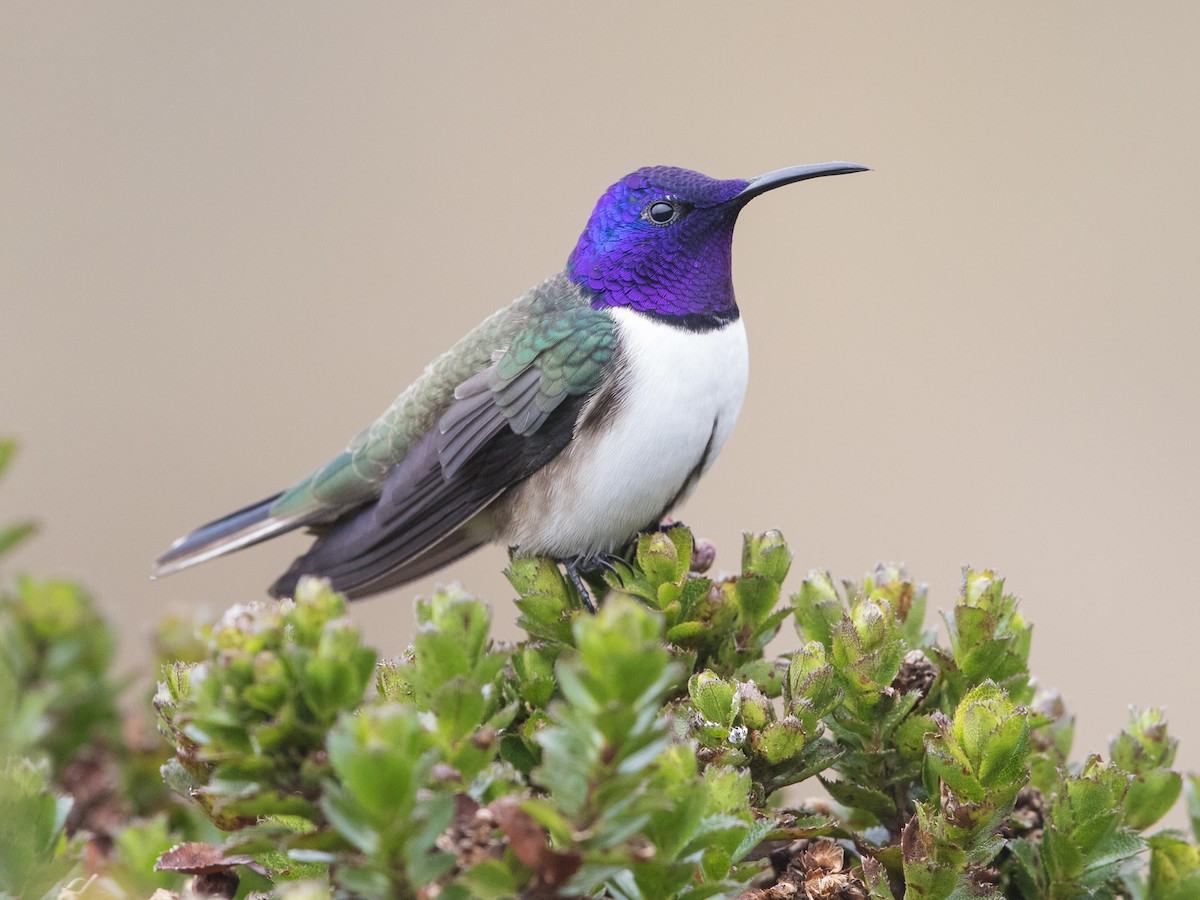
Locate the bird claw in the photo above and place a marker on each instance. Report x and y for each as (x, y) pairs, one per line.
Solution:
(581, 587)
(596, 562)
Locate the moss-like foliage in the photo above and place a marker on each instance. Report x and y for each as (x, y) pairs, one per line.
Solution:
(639, 752)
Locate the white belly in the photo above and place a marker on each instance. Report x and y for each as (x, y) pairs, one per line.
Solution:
(681, 397)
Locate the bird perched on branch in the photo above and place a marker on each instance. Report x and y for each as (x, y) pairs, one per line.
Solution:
(562, 425)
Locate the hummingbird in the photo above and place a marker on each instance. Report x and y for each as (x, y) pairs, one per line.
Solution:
(562, 425)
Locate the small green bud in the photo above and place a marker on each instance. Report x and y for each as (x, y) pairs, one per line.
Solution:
(982, 589)
(1146, 750)
(769, 674)
(756, 709)
(779, 741)
(818, 608)
(766, 554)
(685, 546)
(339, 639)
(1174, 867)
(818, 587)
(534, 670)
(269, 689)
(457, 613)
(948, 760)
(1145, 744)
(716, 700)
(756, 596)
(871, 619)
(658, 557)
(994, 734)
(392, 683)
(316, 603)
(811, 679)
(807, 662)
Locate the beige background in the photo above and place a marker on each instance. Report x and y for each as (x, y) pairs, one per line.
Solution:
(230, 233)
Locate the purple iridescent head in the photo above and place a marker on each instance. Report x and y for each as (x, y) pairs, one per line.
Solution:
(659, 240)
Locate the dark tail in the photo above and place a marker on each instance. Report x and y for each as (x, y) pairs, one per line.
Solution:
(232, 532)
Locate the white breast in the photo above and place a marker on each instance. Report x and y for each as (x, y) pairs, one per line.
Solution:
(681, 396)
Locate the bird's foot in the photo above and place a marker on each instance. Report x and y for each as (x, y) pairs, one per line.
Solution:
(592, 567)
(576, 576)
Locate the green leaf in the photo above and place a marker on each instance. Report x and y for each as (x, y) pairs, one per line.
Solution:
(1104, 858)
(12, 535)
(756, 709)
(685, 545)
(862, 797)
(8, 449)
(453, 612)
(766, 554)
(715, 698)
(1193, 804)
(643, 744)
(685, 632)
(780, 741)
(490, 880)
(1151, 796)
(460, 709)
(423, 863)
(30, 829)
(659, 559)
(754, 835)
(818, 608)
(876, 880)
(546, 601)
(756, 596)
(1174, 868)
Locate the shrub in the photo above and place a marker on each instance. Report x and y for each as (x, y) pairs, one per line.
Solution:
(644, 751)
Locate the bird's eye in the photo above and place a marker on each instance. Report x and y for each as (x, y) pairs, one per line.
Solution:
(662, 212)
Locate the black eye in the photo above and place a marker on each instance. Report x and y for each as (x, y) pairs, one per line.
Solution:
(662, 212)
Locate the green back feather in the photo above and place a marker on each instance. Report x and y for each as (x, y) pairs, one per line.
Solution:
(553, 327)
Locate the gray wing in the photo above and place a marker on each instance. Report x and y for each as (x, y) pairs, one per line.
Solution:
(504, 424)
(420, 520)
